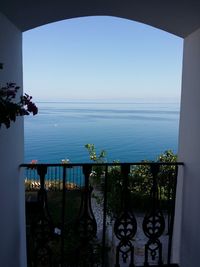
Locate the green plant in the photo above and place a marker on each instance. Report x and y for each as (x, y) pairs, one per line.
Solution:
(10, 108)
(97, 171)
(98, 158)
(139, 181)
(167, 173)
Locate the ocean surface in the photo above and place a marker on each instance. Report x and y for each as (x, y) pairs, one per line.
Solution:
(127, 131)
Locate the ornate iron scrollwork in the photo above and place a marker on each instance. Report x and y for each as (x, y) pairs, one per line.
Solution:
(86, 225)
(125, 226)
(154, 223)
(77, 242)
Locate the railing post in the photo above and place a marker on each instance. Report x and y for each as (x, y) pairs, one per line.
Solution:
(125, 226)
(42, 195)
(171, 222)
(154, 222)
(63, 214)
(87, 225)
(104, 217)
(42, 229)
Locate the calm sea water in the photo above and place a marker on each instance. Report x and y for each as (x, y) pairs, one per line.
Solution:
(127, 131)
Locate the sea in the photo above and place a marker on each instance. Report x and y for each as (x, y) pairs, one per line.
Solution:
(127, 131)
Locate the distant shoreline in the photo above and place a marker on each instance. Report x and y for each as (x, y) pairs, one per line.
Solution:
(109, 102)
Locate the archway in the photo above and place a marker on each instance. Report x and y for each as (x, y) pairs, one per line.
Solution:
(182, 20)
(37, 61)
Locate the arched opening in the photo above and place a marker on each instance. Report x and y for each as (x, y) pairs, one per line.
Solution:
(108, 61)
(182, 20)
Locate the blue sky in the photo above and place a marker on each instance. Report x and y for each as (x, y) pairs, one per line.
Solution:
(103, 58)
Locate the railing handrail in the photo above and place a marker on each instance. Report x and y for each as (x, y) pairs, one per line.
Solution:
(70, 165)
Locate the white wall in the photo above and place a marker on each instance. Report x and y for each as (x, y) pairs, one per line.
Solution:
(189, 152)
(12, 243)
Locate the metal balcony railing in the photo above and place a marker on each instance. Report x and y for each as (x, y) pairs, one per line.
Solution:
(109, 215)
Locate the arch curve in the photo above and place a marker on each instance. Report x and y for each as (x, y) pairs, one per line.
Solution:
(174, 17)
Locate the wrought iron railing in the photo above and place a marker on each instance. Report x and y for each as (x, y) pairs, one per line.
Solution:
(118, 214)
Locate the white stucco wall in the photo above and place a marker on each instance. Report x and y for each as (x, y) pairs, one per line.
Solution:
(189, 152)
(12, 245)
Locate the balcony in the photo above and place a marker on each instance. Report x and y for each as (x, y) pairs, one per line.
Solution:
(118, 214)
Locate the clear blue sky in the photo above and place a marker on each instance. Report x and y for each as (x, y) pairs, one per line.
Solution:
(101, 58)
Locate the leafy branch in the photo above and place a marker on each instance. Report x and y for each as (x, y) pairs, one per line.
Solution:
(10, 109)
